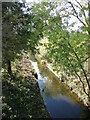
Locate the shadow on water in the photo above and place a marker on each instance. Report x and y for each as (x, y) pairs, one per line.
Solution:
(58, 98)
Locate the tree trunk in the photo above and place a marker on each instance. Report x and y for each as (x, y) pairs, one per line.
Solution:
(9, 67)
(89, 35)
(88, 48)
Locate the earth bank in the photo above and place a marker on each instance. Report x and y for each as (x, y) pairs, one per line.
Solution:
(21, 94)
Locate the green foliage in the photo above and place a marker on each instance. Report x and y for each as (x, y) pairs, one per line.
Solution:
(23, 30)
(22, 99)
(12, 31)
(68, 49)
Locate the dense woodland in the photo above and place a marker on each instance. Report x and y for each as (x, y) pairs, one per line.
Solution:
(24, 25)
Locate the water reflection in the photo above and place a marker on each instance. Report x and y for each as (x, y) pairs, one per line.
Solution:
(53, 85)
(62, 107)
(59, 100)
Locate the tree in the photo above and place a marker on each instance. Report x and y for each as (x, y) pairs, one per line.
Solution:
(20, 31)
(13, 29)
(69, 48)
(80, 10)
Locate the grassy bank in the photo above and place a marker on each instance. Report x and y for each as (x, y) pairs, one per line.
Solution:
(21, 94)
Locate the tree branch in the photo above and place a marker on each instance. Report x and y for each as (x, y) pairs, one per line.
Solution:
(80, 65)
(82, 84)
(81, 8)
(85, 59)
(77, 74)
(79, 3)
(77, 14)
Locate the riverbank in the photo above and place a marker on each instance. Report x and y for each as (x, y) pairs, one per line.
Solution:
(74, 85)
(59, 99)
(21, 94)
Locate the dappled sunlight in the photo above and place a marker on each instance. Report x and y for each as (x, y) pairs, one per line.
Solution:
(21, 94)
(45, 49)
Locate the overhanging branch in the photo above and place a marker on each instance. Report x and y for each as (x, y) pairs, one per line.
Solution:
(77, 74)
(79, 62)
(85, 59)
(77, 14)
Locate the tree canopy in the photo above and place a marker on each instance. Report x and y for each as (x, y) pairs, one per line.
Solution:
(24, 26)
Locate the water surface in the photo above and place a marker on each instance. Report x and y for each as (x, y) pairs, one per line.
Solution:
(59, 100)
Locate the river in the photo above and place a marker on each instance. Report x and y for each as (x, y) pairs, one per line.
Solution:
(58, 98)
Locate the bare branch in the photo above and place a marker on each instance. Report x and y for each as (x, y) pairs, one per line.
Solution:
(85, 59)
(79, 3)
(81, 8)
(77, 6)
(77, 14)
(82, 84)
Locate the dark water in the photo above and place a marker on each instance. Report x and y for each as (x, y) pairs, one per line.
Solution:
(59, 100)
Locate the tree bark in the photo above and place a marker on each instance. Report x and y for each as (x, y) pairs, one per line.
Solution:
(88, 48)
(89, 35)
(9, 67)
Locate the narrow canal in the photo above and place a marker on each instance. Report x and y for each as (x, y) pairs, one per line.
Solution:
(59, 100)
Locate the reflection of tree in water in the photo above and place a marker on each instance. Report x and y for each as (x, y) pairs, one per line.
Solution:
(47, 94)
(43, 89)
(53, 90)
(85, 114)
(52, 87)
(49, 89)
(43, 69)
(55, 86)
